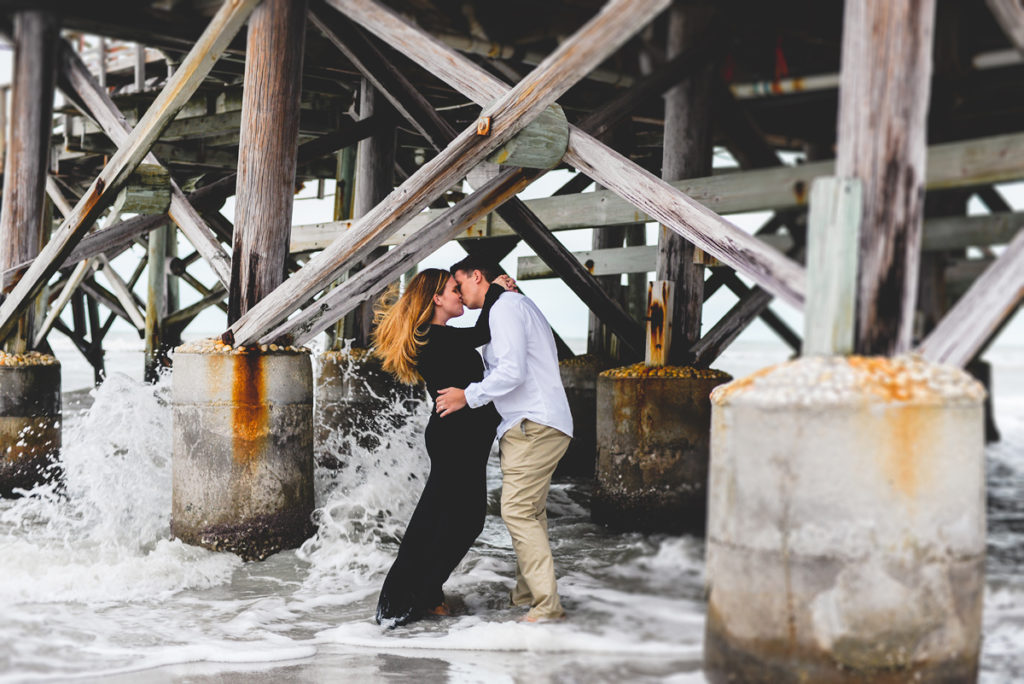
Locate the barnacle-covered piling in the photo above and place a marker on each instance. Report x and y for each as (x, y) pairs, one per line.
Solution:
(243, 447)
(653, 424)
(30, 418)
(846, 523)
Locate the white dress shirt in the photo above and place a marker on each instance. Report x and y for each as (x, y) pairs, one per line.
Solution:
(521, 368)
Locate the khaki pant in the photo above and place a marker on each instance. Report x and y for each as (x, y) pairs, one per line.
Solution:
(529, 453)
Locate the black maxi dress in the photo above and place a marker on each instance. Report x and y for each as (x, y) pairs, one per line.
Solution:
(451, 510)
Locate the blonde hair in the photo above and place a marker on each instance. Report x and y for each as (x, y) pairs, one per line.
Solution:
(402, 325)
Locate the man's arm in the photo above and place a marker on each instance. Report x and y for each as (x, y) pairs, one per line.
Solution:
(509, 348)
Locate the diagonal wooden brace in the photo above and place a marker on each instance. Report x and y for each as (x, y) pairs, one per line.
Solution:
(715, 235)
(509, 113)
(76, 81)
(196, 65)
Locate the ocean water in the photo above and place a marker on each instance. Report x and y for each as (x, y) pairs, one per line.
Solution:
(93, 588)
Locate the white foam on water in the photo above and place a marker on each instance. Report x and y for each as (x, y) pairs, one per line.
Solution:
(93, 586)
(474, 633)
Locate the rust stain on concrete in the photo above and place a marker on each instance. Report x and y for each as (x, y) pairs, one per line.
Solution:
(902, 463)
(250, 420)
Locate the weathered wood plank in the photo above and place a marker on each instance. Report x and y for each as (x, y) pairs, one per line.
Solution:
(21, 215)
(643, 190)
(182, 317)
(372, 280)
(81, 272)
(122, 292)
(729, 327)
(599, 262)
(267, 151)
(77, 82)
(716, 236)
(1009, 15)
(631, 259)
(767, 316)
(882, 130)
(509, 114)
(53, 191)
(686, 153)
(103, 190)
(833, 224)
(374, 179)
(950, 165)
(992, 298)
(156, 302)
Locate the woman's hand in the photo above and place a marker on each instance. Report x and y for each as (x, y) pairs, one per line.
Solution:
(507, 282)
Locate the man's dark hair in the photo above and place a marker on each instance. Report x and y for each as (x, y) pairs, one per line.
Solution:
(488, 269)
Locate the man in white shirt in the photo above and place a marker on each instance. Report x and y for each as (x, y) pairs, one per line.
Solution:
(521, 377)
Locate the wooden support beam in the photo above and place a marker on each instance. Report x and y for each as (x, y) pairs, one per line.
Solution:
(214, 194)
(560, 259)
(712, 233)
(101, 294)
(22, 211)
(993, 199)
(744, 138)
(599, 338)
(753, 303)
(509, 113)
(1009, 14)
(181, 318)
(950, 165)
(374, 179)
(267, 152)
(383, 74)
(641, 189)
(834, 223)
(728, 328)
(77, 83)
(81, 272)
(991, 300)
(156, 303)
(686, 153)
(122, 292)
(99, 369)
(104, 189)
(883, 107)
(636, 283)
(372, 280)
(53, 191)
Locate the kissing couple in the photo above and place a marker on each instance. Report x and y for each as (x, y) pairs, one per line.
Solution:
(513, 392)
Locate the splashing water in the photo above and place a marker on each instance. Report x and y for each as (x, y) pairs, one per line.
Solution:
(94, 586)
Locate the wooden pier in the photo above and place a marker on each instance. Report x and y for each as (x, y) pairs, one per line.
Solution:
(865, 128)
(183, 86)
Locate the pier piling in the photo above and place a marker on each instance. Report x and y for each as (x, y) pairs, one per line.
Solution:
(243, 446)
(846, 523)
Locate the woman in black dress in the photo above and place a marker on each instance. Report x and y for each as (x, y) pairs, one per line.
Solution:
(414, 343)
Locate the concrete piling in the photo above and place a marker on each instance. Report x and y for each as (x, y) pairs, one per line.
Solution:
(30, 420)
(579, 377)
(846, 528)
(242, 448)
(358, 404)
(653, 425)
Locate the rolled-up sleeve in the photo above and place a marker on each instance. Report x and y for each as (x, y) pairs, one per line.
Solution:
(508, 347)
